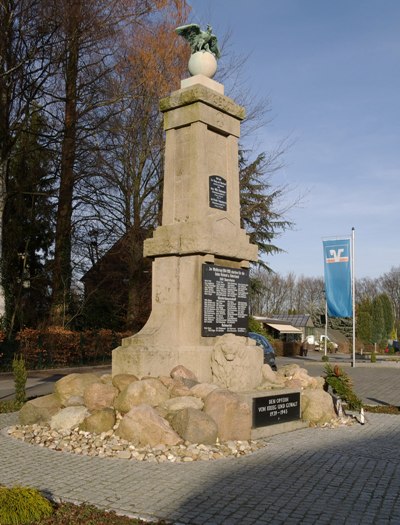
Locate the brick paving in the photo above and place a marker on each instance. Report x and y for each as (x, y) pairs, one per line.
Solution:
(325, 476)
(348, 475)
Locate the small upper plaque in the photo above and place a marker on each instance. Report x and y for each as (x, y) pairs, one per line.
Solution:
(217, 192)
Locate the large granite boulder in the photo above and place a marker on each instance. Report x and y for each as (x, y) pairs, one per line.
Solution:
(179, 403)
(69, 418)
(236, 363)
(317, 406)
(182, 372)
(143, 426)
(202, 390)
(194, 426)
(296, 377)
(179, 388)
(74, 401)
(73, 385)
(148, 391)
(231, 414)
(121, 381)
(99, 421)
(39, 410)
(99, 395)
(106, 378)
(271, 379)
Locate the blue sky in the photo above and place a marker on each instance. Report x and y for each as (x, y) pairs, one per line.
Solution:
(331, 70)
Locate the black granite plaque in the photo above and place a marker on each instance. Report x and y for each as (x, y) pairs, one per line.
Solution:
(280, 408)
(225, 300)
(217, 192)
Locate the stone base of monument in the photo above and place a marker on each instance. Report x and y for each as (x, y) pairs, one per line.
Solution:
(152, 360)
(274, 411)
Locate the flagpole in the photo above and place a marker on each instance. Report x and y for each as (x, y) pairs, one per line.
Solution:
(353, 289)
(326, 325)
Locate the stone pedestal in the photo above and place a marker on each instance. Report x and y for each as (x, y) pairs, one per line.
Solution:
(263, 432)
(202, 130)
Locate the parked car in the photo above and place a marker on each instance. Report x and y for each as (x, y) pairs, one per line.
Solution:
(319, 344)
(269, 352)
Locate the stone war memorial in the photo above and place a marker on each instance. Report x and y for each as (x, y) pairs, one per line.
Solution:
(200, 253)
(191, 375)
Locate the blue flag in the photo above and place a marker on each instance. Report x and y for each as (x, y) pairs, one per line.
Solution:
(338, 277)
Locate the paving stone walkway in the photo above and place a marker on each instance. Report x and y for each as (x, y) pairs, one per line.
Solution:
(348, 475)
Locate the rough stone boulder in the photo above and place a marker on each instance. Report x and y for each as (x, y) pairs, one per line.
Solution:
(271, 379)
(297, 377)
(194, 426)
(106, 378)
(231, 414)
(121, 381)
(68, 418)
(179, 388)
(145, 392)
(99, 395)
(236, 363)
(179, 403)
(167, 381)
(73, 385)
(202, 390)
(39, 410)
(317, 406)
(143, 426)
(99, 421)
(182, 372)
(176, 387)
(301, 375)
(74, 401)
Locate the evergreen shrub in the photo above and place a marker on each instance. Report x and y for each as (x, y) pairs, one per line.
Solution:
(342, 385)
(20, 377)
(22, 505)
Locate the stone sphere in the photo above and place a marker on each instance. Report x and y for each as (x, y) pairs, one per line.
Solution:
(203, 63)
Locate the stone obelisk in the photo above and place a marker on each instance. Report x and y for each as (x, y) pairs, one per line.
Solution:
(200, 228)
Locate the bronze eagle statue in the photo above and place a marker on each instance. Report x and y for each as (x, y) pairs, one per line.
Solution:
(200, 40)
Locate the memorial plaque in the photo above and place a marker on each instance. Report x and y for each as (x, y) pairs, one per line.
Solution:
(281, 408)
(217, 190)
(225, 300)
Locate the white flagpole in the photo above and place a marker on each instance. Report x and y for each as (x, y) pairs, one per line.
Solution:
(326, 325)
(353, 288)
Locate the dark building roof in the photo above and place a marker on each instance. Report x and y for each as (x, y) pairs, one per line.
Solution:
(297, 320)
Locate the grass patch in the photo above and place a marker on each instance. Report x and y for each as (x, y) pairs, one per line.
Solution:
(57, 514)
(70, 514)
(10, 405)
(382, 409)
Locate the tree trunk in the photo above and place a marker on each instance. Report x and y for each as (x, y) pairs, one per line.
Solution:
(62, 258)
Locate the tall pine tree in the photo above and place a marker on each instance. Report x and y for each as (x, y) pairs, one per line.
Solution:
(259, 202)
(28, 229)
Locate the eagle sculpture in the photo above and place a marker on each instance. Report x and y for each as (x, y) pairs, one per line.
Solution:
(200, 40)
